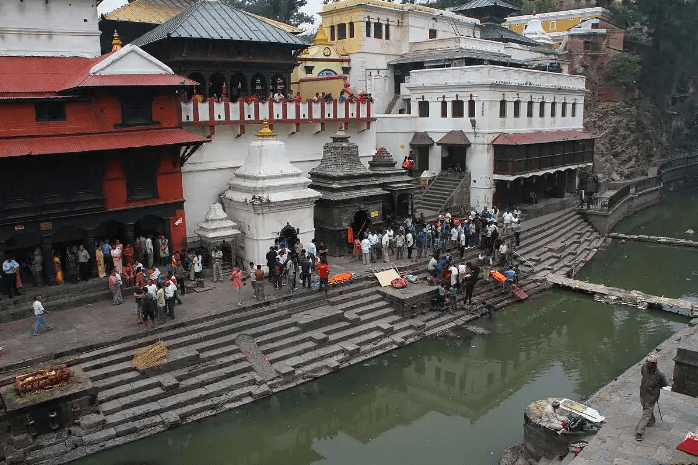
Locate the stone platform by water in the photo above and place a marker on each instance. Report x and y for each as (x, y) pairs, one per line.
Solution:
(619, 402)
(683, 307)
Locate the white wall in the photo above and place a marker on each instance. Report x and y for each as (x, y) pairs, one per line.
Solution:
(49, 28)
(206, 173)
(488, 85)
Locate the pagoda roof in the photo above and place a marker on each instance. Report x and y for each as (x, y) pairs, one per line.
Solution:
(159, 11)
(214, 20)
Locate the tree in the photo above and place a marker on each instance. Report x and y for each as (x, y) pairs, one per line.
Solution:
(539, 6)
(624, 69)
(285, 11)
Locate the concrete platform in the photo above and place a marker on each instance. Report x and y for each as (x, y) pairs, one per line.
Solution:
(619, 402)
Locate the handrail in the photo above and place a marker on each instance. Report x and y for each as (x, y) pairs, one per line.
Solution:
(522, 258)
(459, 186)
(677, 163)
(606, 204)
(424, 192)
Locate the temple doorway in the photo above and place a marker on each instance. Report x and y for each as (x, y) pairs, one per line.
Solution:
(288, 236)
(361, 223)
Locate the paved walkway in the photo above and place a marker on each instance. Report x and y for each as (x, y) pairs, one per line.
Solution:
(619, 402)
(102, 322)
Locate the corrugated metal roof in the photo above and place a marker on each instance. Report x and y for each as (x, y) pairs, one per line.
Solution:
(94, 142)
(452, 54)
(540, 137)
(484, 4)
(120, 80)
(211, 19)
(454, 138)
(490, 31)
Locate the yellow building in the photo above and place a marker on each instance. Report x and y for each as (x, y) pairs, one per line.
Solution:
(321, 68)
(556, 23)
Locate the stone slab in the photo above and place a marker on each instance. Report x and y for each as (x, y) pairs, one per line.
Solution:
(170, 419)
(124, 429)
(99, 436)
(284, 369)
(92, 422)
(168, 382)
(349, 348)
(317, 317)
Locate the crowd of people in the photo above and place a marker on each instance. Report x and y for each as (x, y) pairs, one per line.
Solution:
(280, 97)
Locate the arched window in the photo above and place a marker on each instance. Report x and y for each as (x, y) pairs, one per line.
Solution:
(278, 84)
(258, 84)
(563, 112)
(553, 109)
(517, 108)
(215, 85)
(529, 109)
(503, 108)
(574, 109)
(541, 109)
(198, 90)
(238, 86)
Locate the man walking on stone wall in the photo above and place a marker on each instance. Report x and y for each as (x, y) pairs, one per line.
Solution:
(652, 382)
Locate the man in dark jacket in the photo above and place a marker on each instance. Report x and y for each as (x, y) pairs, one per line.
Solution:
(470, 283)
(652, 382)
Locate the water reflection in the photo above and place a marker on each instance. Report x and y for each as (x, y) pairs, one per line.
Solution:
(436, 401)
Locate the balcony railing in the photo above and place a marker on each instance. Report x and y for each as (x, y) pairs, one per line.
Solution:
(212, 113)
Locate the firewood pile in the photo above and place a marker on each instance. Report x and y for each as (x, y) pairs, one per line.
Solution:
(150, 356)
(42, 380)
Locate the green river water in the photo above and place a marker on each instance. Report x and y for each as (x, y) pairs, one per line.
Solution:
(458, 400)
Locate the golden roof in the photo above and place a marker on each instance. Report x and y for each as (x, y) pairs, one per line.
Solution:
(321, 36)
(159, 11)
(265, 131)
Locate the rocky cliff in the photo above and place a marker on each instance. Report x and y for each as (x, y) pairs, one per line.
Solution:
(629, 135)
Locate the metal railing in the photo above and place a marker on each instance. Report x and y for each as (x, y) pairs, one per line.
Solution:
(620, 195)
(606, 204)
(677, 163)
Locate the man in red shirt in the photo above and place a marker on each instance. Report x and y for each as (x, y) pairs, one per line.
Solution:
(323, 270)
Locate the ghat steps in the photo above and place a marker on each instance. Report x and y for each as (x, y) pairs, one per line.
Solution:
(302, 337)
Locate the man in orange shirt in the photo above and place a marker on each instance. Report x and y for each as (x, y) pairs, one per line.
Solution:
(323, 270)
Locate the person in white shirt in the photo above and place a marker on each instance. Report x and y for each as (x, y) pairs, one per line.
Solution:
(409, 240)
(506, 218)
(198, 266)
(39, 314)
(391, 238)
(454, 276)
(312, 252)
(366, 251)
(373, 238)
(385, 243)
(170, 289)
(149, 251)
(400, 246)
(503, 252)
(431, 266)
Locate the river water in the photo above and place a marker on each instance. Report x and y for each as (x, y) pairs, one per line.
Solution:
(451, 401)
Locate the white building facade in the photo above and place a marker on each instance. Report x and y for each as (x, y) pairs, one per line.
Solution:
(49, 28)
(508, 127)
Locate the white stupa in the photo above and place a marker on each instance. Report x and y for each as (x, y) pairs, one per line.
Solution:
(534, 31)
(217, 228)
(267, 194)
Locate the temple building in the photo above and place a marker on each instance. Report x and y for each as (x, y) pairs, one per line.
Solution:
(269, 199)
(555, 23)
(351, 197)
(238, 59)
(94, 147)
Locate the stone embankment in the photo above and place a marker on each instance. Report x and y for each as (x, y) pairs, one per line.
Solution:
(655, 239)
(234, 356)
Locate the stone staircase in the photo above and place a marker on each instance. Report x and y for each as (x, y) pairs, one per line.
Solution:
(391, 105)
(558, 243)
(298, 339)
(433, 198)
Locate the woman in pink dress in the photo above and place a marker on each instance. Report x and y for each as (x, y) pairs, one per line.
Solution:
(236, 282)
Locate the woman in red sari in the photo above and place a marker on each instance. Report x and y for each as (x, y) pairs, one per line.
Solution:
(128, 254)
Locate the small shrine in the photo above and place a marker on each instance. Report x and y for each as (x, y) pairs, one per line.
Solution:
(534, 31)
(352, 198)
(394, 180)
(217, 230)
(268, 197)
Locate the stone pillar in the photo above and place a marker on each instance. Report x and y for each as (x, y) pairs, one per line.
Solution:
(47, 252)
(168, 232)
(129, 233)
(91, 247)
(396, 194)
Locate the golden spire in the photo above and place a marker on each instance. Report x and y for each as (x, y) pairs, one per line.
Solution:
(265, 131)
(343, 52)
(321, 36)
(116, 42)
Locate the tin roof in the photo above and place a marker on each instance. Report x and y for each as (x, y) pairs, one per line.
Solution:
(453, 54)
(474, 4)
(159, 11)
(421, 139)
(212, 19)
(36, 145)
(454, 138)
(540, 137)
(495, 32)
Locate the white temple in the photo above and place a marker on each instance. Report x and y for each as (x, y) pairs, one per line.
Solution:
(534, 31)
(265, 194)
(217, 228)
